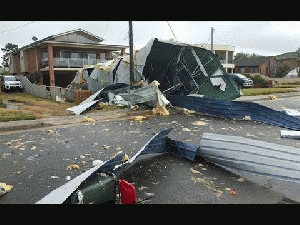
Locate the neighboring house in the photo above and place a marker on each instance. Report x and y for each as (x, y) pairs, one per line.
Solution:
(56, 59)
(258, 65)
(224, 53)
(266, 65)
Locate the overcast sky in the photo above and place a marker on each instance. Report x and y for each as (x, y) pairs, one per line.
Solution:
(260, 37)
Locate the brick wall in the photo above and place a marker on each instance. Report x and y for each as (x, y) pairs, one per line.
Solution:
(81, 95)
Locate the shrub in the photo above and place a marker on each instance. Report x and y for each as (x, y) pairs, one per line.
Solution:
(258, 81)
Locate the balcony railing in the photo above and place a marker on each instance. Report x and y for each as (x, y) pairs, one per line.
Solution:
(224, 61)
(72, 62)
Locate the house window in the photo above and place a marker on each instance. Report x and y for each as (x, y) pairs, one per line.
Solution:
(83, 55)
(45, 56)
(92, 56)
(74, 55)
(102, 56)
(65, 54)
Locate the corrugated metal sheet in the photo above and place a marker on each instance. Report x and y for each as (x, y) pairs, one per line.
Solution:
(85, 104)
(236, 109)
(258, 157)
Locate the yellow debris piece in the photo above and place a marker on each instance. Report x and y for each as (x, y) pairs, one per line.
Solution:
(73, 167)
(4, 188)
(160, 110)
(88, 119)
(272, 97)
(199, 123)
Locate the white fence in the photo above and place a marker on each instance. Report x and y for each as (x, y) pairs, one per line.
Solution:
(43, 91)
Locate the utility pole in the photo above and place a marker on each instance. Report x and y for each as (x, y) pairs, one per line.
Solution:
(131, 52)
(212, 40)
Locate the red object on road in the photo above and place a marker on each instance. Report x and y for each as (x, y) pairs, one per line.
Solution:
(233, 192)
(128, 192)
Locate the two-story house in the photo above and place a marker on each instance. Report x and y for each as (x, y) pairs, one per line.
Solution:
(55, 60)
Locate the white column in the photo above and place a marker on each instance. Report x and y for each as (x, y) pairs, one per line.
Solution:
(226, 57)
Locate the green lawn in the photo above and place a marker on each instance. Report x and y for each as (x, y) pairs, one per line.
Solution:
(267, 91)
(13, 115)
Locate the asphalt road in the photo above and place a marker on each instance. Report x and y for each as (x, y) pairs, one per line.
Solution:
(35, 161)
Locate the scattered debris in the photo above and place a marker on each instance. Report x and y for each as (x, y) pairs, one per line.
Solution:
(199, 123)
(106, 147)
(142, 188)
(185, 129)
(68, 178)
(247, 118)
(73, 167)
(97, 163)
(4, 188)
(125, 158)
(139, 118)
(272, 97)
(88, 119)
(50, 131)
(188, 112)
(233, 192)
(241, 179)
(195, 171)
(160, 110)
(54, 177)
(149, 194)
(209, 184)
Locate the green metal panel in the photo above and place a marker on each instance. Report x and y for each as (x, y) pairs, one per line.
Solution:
(98, 189)
(166, 62)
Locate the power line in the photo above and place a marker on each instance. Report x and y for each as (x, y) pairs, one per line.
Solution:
(18, 27)
(172, 31)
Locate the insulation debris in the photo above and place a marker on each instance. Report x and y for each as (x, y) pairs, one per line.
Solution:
(4, 188)
(188, 112)
(160, 110)
(139, 118)
(209, 185)
(272, 97)
(73, 167)
(199, 123)
(88, 119)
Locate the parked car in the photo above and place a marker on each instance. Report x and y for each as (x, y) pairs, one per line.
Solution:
(8, 83)
(241, 80)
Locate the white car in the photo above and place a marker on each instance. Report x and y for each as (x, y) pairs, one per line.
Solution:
(11, 83)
